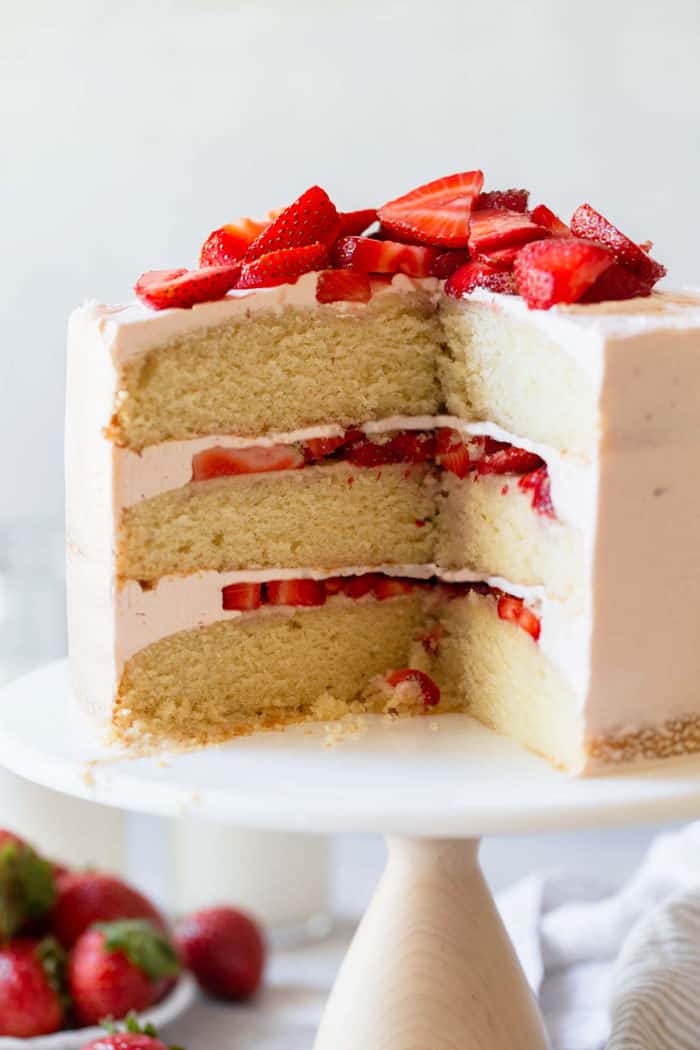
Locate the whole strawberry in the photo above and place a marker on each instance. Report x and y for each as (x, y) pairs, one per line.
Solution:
(224, 949)
(126, 1041)
(31, 977)
(85, 898)
(134, 1037)
(118, 967)
(27, 885)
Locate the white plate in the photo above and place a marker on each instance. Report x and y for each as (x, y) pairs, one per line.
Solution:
(180, 999)
(439, 777)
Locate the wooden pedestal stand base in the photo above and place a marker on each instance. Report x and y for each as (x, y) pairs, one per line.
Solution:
(431, 966)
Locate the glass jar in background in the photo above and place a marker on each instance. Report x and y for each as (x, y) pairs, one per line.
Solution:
(33, 632)
(184, 865)
(280, 877)
(32, 595)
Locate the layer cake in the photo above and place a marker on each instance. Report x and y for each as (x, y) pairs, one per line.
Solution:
(313, 490)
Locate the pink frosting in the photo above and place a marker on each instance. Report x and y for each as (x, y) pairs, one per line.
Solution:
(631, 653)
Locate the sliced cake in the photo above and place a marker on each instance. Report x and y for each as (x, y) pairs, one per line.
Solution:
(443, 466)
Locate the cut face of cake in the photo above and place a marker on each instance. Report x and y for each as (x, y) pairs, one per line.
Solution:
(304, 491)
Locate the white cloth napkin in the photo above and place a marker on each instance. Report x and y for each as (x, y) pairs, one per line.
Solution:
(614, 969)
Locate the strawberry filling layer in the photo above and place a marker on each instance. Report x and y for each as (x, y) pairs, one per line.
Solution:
(444, 448)
(248, 596)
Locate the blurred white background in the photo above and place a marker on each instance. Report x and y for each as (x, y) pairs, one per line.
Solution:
(130, 129)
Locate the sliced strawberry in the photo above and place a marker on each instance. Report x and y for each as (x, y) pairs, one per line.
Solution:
(479, 275)
(509, 200)
(241, 596)
(353, 223)
(334, 585)
(538, 484)
(163, 289)
(544, 217)
(311, 219)
(412, 446)
(494, 228)
(392, 587)
(502, 259)
(283, 266)
(451, 453)
(430, 691)
(343, 285)
(459, 590)
(446, 263)
(589, 224)
(229, 243)
(559, 270)
(368, 255)
(354, 434)
(316, 449)
(617, 282)
(358, 586)
(406, 446)
(437, 213)
(296, 592)
(218, 462)
(515, 611)
(367, 453)
(509, 460)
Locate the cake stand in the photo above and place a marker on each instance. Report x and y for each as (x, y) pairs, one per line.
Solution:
(431, 966)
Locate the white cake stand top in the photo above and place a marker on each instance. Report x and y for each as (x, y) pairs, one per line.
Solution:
(439, 777)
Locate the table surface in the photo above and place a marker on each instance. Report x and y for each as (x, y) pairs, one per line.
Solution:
(285, 1014)
(425, 776)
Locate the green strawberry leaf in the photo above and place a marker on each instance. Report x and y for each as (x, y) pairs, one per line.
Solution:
(38, 883)
(27, 887)
(132, 1024)
(143, 944)
(11, 896)
(54, 961)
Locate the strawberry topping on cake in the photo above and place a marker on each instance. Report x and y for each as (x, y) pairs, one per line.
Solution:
(282, 266)
(344, 286)
(510, 200)
(544, 216)
(311, 219)
(480, 275)
(592, 226)
(496, 228)
(229, 243)
(371, 256)
(162, 289)
(449, 228)
(559, 271)
(437, 213)
(353, 223)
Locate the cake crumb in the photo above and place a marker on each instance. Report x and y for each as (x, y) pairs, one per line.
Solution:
(88, 774)
(349, 727)
(327, 708)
